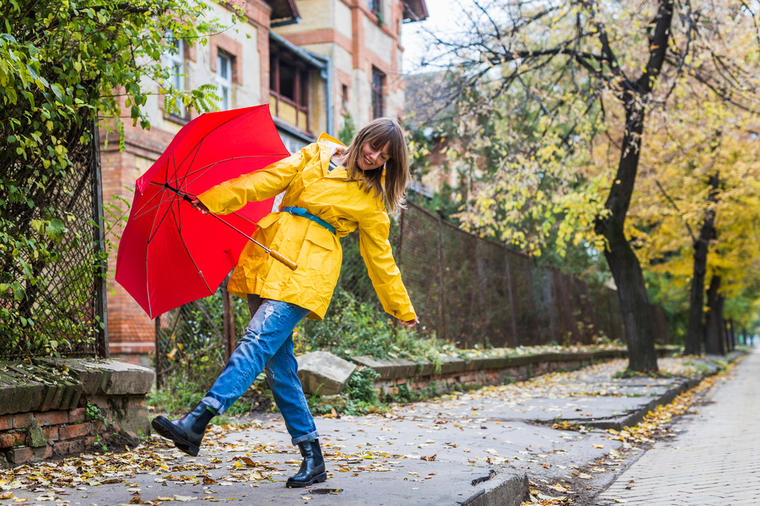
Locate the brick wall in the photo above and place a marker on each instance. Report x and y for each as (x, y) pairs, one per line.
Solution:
(87, 404)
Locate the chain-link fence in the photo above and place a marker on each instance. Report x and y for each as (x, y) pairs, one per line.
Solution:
(473, 291)
(65, 300)
(465, 289)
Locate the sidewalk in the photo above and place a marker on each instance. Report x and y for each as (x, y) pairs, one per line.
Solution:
(474, 448)
(714, 458)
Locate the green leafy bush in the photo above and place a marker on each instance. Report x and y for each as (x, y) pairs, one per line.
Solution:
(353, 328)
(64, 66)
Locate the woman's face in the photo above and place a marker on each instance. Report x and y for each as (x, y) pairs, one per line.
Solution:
(371, 158)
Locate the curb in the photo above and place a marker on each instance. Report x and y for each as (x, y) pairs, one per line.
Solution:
(634, 417)
(499, 490)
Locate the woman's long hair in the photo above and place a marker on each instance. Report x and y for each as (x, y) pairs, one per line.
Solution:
(377, 133)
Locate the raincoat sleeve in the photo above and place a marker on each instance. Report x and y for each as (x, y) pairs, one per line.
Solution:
(382, 269)
(261, 184)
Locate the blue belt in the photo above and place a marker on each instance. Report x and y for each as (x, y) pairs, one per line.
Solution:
(300, 211)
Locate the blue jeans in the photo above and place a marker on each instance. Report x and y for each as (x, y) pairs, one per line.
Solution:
(268, 344)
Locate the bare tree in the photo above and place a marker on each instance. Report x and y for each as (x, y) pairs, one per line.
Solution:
(628, 56)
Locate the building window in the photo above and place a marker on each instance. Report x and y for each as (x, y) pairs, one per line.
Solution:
(378, 81)
(174, 61)
(344, 97)
(289, 88)
(224, 79)
(376, 6)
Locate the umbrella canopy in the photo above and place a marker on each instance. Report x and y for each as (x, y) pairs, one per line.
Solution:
(170, 253)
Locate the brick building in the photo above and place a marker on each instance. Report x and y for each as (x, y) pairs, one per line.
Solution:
(316, 62)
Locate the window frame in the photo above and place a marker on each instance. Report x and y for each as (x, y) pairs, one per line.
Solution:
(301, 85)
(224, 61)
(174, 61)
(377, 87)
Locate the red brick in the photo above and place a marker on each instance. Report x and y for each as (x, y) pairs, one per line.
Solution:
(69, 447)
(10, 439)
(51, 433)
(77, 415)
(6, 422)
(42, 453)
(20, 454)
(52, 418)
(22, 420)
(74, 431)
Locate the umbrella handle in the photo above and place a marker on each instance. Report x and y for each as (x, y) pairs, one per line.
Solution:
(283, 259)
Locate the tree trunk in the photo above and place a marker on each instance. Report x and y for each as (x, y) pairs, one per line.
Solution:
(714, 332)
(625, 267)
(634, 304)
(695, 329)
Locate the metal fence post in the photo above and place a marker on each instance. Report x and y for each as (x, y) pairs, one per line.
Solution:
(157, 331)
(101, 306)
(443, 334)
(229, 321)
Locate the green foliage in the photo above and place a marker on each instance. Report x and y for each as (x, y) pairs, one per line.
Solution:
(352, 327)
(93, 412)
(64, 65)
(360, 387)
(181, 393)
(348, 130)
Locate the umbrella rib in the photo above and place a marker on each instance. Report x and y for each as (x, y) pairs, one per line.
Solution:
(200, 171)
(200, 142)
(155, 227)
(153, 231)
(178, 224)
(193, 154)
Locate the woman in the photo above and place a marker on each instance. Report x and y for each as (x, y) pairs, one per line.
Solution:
(330, 191)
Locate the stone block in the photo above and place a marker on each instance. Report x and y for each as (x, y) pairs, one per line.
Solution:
(424, 369)
(19, 394)
(51, 398)
(388, 368)
(452, 365)
(110, 377)
(324, 373)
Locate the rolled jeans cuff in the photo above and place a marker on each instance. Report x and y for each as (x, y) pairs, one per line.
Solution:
(311, 436)
(214, 403)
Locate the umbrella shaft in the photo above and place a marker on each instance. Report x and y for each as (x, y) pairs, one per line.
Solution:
(233, 227)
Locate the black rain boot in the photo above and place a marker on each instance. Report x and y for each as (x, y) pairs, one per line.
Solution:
(312, 468)
(187, 432)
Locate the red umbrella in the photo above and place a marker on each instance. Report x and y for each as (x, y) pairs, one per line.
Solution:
(170, 253)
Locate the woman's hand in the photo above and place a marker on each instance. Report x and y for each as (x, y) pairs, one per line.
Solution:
(410, 323)
(199, 205)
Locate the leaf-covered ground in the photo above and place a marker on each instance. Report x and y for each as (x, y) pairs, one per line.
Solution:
(422, 452)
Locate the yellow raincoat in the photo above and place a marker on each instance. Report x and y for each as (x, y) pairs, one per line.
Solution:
(331, 196)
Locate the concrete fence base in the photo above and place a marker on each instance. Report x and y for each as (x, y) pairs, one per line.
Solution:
(486, 370)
